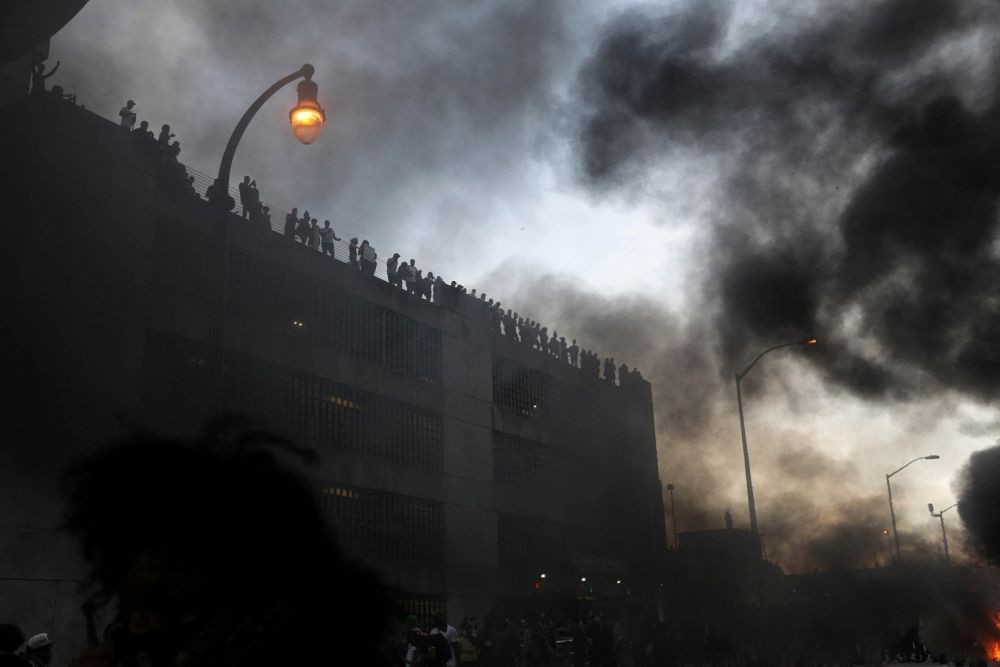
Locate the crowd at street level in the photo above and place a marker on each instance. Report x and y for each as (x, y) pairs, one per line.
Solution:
(626, 638)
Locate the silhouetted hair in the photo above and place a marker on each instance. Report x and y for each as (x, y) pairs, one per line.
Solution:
(11, 637)
(220, 510)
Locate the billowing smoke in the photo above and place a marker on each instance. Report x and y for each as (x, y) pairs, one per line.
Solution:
(979, 501)
(861, 177)
(858, 154)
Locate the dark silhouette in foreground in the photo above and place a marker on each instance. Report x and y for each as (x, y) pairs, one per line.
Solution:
(217, 554)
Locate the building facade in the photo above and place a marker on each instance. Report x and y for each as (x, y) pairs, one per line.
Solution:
(460, 464)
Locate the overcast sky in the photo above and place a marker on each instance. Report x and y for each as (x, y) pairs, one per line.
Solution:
(677, 185)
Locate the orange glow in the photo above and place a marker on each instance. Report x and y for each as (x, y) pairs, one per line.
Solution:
(992, 644)
(811, 341)
(307, 121)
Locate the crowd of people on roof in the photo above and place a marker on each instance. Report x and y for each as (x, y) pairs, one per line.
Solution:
(406, 276)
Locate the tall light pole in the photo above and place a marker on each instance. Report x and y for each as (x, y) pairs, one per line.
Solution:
(743, 430)
(673, 513)
(892, 511)
(307, 119)
(944, 534)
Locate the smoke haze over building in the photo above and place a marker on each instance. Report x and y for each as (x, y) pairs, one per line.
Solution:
(677, 186)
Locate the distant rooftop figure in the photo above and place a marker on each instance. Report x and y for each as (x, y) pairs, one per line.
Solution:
(127, 115)
(38, 77)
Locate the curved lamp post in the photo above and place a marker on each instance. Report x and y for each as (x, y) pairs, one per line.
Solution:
(743, 431)
(944, 535)
(892, 512)
(306, 117)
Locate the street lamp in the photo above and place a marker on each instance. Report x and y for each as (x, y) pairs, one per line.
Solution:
(944, 535)
(673, 513)
(892, 511)
(743, 431)
(306, 118)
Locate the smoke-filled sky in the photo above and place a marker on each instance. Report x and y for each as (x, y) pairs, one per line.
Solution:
(677, 185)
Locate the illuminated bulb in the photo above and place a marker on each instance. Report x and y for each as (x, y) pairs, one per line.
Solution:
(543, 575)
(583, 579)
(307, 121)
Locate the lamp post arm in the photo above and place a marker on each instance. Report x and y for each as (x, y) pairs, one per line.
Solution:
(740, 376)
(948, 508)
(919, 458)
(222, 184)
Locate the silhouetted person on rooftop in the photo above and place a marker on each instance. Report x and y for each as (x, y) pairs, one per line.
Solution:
(392, 269)
(303, 228)
(127, 115)
(189, 186)
(291, 220)
(574, 353)
(327, 237)
(623, 374)
(38, 77)
(220, 575)
(244, 189)
(368, 258)
(554, 344)
(163, 141)
(314, 235)
(609, 370)
(352, 252)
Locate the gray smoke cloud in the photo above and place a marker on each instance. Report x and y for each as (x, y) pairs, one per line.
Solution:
(857, 149)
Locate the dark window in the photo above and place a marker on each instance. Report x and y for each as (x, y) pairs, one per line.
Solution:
(520, 461)
(315, 411)
(373, 524)
(424, 607)
(527, 541)
(526, 391)
(271, 295)
(181, 260)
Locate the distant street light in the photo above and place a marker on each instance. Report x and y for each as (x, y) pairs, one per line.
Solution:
(892, 511)
(743, 431)
(944, 534)
(673, 513)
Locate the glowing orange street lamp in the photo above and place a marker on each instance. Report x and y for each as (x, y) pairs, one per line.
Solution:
(743, 431)
(307, 116)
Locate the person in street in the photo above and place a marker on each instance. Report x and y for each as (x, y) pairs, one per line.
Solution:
(38, 650)
(127, 115)
(264, 572)
(450, 634)
(415, 641)
(327, 237)
(38, 77)
(291, 220)
(11, 639)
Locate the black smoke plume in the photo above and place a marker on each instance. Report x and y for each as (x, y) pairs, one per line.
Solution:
(979, 501)
(858, 154)
(861, 175)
